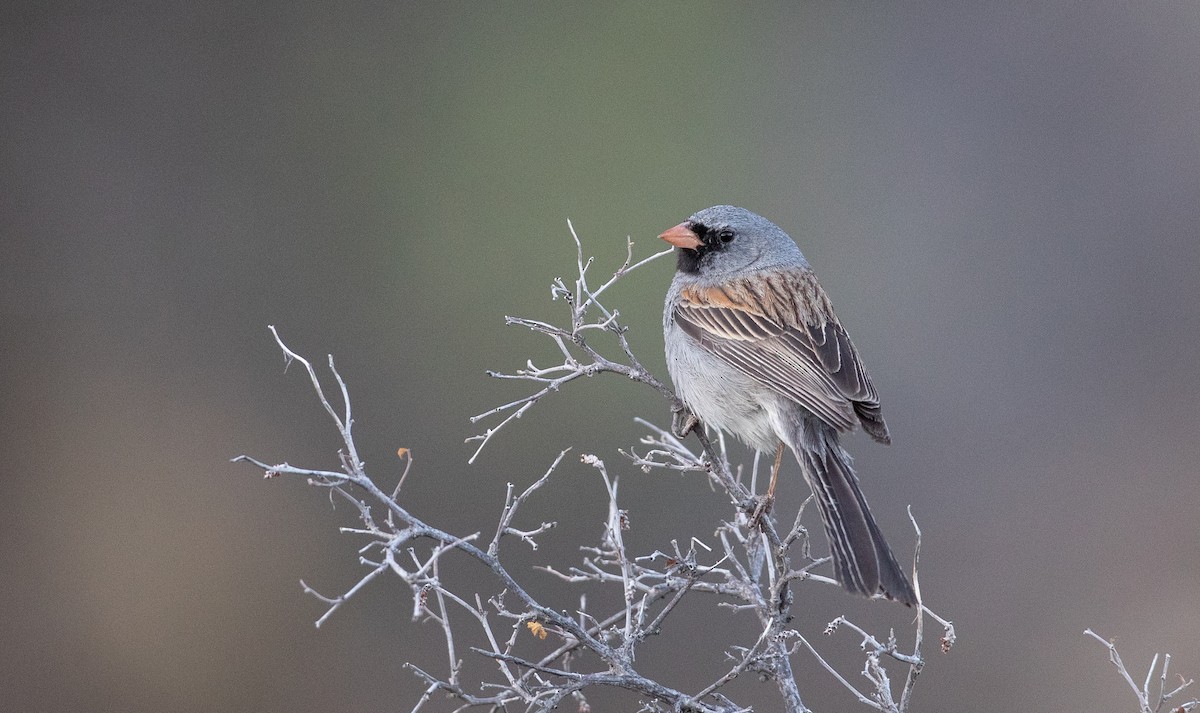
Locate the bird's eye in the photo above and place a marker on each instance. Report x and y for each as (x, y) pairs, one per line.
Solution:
(726, 235)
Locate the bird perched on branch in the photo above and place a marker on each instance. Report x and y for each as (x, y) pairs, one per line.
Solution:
(754, 349)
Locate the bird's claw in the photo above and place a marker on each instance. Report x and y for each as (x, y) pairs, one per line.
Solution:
(683, 421)
(761, 508)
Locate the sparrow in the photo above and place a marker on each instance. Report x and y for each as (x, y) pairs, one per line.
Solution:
(754, 349)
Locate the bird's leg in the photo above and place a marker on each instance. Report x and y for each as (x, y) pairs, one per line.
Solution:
(775, 471)
(683, 421)
(764, 505)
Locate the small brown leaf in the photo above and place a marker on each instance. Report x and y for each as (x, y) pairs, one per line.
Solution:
(536, 629)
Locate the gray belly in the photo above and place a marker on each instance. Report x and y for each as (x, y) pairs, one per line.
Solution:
(720, 395)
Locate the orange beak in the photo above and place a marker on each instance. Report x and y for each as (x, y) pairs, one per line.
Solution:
(682, 236)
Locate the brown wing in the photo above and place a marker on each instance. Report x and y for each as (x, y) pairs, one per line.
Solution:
(782, 331)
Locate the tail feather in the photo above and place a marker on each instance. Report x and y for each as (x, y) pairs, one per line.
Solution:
(862, 560)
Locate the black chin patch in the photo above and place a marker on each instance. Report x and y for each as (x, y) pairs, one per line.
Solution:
(688, 260)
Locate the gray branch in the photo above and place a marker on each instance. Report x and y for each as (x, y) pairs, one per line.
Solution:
(751, 568)
(1148, 702)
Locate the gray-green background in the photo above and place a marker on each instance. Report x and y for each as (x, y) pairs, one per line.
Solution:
(1001, 199)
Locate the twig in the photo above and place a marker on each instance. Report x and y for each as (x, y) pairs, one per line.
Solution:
(751, 570)
(1147, 704)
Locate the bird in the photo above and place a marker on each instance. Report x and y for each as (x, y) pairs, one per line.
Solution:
(754, 349)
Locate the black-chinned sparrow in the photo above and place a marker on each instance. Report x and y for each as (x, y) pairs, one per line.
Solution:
(754, 349)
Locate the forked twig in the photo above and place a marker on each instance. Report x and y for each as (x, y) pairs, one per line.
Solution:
(1148, 703)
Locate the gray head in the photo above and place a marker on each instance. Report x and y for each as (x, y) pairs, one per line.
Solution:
(724, 240)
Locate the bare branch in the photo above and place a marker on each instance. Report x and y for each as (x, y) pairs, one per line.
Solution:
(1146, 703)
(511, 505)
(751, 568)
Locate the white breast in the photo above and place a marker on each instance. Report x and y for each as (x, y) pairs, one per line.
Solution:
(720, 395)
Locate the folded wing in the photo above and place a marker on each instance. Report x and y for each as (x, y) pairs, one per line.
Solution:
(784, 334)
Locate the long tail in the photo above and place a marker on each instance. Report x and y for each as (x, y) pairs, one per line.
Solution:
(861, 557)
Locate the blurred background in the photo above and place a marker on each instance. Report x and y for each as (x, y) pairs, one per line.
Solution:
(1000, 198)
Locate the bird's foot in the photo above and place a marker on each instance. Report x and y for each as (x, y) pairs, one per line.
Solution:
(683, 421)
(762, 508)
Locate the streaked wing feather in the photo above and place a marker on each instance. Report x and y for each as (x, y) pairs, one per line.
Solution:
(793, 379)
(770, 360)
(815, 365)
(833, 350)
